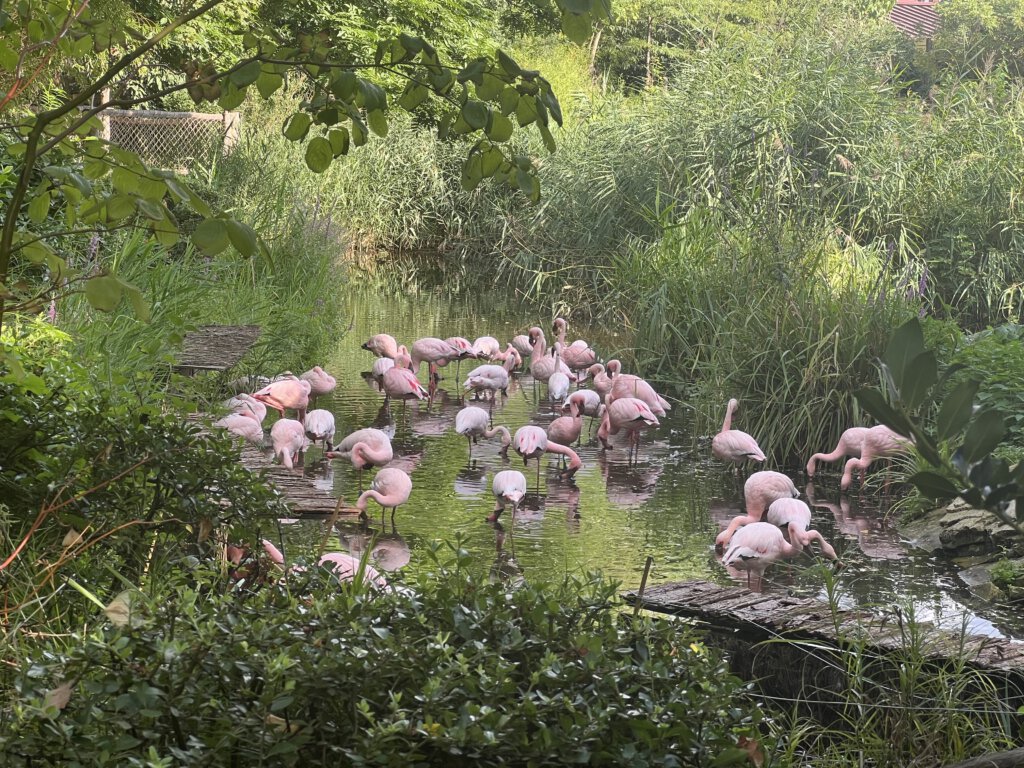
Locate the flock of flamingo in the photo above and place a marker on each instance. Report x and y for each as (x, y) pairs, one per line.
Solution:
(621, 402)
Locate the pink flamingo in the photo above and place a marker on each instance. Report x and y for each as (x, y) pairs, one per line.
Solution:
(487, 378)
(732, 444)
(436, 353)
(602, 381)
(542, 365)
(289, 440)
(381, 366)
(589, 403)
(626, 413)
(577, 355)
(879, 442)
(509, 487)
(566, 429)
(522, 345)
(365, 448)
(382, 345)
(320, 382)
(487, 348)
(465, 350)
(390, 488)
(247, 404)
(402, 384)
(473, 423)
(286, 393)
(850, 443)
(510, 359)
(319, 425)
(760, 490)
(245, 425)
(755, 547)
(558, 386)
(628, 385)
(343, 565)
(795, 516)
(532, 442)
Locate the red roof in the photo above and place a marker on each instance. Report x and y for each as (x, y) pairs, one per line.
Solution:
(916, 18)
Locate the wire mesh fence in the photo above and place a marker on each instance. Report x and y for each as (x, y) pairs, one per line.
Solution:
(172, 139)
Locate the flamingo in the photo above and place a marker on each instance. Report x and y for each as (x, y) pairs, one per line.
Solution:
(244, 425)
(794, 515)
(602, 381)
(543, 365)
(879, 442)
(247, 404)
(850, 443)
(732, 444)
(382, 345)
(532, 442)
(577, 355)
(756, 546)
(365, 448)
(558, 386)
(343, 565)
(630, 414)
(760, 490)
(286, 393)
(589, 403)
(487, 347)
(509, 487)
(473, 422)
(320, 382)
(381, 366)
(484, 378)
(465, 350)
(402, 384)
(436, 353)
(628, 385)
(319, 425)
(390, 488)
(522, 345)
(289, 440)
(510, 359)
(566, 429)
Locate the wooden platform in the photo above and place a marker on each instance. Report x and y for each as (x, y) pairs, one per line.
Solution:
(761, 617)
(216, 347)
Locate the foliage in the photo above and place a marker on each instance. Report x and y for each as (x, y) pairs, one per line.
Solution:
(969, 471)
(66, 181)
(994, 358)
(449, 670)
(102, 458)
(978, 34)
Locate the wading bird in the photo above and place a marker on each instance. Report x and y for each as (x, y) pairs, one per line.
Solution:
(382, 345)
(850, 443)
(755, 547)
(320, 382)
(733, 445)
(628, 385)
(319, 425)
(627, 413)
(245, 425)
(760, 490)
(531, 442)
(390, 488)
(795, 516)
(879, 443)
(473, 423)
(365, 448)
(286, 393)
(289, 440)
(509, 487)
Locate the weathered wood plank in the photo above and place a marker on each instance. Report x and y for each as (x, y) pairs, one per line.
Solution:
(765, 616)
(216, 347)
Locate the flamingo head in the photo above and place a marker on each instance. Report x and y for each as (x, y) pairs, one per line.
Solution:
(559, 325)
(536, 334)
(613, 367)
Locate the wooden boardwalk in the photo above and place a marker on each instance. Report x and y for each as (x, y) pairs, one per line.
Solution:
(216, 347)
(756, 618)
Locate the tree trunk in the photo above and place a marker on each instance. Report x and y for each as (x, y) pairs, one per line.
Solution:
(594, 41)
(649, 78)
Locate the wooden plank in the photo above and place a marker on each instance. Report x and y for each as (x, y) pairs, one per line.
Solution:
(765, 616)
(216, 347)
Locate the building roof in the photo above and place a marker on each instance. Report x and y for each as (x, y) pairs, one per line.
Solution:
(916, 18)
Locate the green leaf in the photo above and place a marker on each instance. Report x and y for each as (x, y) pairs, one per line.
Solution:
(39, 207)
(500, 128)
(371, 96)
(472, 172)
(983, 435)
(339, 141)
(150, 209)
(139, 304)
(103, 293)
(413, 95)
(211, 236)
(492, 160)
(124, 180)
(918, 379)
(956, 410)
(297, 126)
(906, 343)
(120, 207)
(242, 237)
(8, 57)
(509, 99)
(475, 114)
(344, 85)
(247, 74)
(378, 122)
(934, 486)
(872, 401)
(490, 87)
(268, 83)
(150, 188)
(576, 27)
(95, 169)
(526, 110)
(549, 140)
(166, 232)
(508, 64)
(231, 98)
(319, 154)
(359, 132)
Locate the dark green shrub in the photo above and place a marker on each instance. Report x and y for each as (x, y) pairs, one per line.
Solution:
(452, 670)
(996, 359)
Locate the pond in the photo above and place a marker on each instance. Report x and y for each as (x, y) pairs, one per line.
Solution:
(669, 504)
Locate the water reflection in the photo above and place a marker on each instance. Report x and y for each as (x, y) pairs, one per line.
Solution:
(612, 514)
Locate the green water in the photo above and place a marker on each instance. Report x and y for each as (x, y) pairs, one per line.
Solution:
(669, 504)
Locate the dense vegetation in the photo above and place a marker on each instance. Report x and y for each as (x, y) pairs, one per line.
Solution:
(759, 191)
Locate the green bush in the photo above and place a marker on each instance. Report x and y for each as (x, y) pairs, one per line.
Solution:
(451, 670)
(996, 359)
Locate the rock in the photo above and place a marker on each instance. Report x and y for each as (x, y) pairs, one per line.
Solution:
(959, 530)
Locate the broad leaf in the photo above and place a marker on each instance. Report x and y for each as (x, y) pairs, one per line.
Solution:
(576, 27)
(319, 154)
(872, 401)
(297, 126)
(242, 237)
(918, 379)
(956, 410)
(905, 345)
(211, 236)
(934, 486)
(103, 293)
(983, 435)
(475, 114)
(268, 83)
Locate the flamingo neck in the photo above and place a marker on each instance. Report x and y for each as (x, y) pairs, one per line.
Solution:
(727, 424)
(367, 454)
(564, 450)
(506, 436)
(540, 347)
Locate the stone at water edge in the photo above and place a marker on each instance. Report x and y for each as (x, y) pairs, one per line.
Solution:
(959, 530)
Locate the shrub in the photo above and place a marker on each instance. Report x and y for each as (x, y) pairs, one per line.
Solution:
(453, 671)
